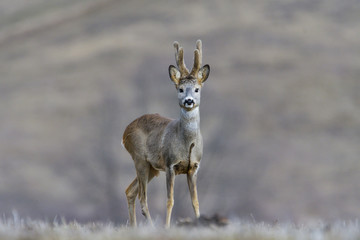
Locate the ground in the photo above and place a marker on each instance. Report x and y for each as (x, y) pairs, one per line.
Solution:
(17, 228)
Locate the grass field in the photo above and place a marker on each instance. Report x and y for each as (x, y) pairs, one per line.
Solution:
(17, 228)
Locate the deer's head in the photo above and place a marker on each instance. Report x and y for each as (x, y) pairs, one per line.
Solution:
(188, 84)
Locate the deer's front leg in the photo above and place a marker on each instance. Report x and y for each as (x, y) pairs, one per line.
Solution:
(170, 179)
(191, 179)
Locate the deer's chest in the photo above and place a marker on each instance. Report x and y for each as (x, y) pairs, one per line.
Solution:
(185, 159)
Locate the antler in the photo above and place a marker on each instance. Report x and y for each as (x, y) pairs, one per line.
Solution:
(197, 58)
(179, 58)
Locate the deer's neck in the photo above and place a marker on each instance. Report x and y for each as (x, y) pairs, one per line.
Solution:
(190, 122)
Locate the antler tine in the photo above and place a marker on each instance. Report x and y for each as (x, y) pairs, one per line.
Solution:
(176, 46)
(179, 58)
(199, 47)
(197, 58)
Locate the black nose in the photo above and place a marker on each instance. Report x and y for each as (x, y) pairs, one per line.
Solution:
(189, 101)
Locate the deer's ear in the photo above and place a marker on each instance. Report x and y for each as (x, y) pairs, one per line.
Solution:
(203, 73)
(174, 74)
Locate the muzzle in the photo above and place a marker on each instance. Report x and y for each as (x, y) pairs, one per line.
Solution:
(189, 103)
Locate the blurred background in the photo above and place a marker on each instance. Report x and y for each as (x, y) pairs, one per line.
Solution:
(280, 111)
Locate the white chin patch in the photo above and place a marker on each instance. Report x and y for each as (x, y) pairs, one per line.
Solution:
(189, 105)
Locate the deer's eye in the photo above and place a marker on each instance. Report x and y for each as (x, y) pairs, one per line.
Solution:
(181, 90)
(196, 90)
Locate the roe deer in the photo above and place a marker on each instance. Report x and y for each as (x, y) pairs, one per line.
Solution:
(156, 143)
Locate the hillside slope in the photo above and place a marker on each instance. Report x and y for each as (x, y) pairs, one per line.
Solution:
(279, 115)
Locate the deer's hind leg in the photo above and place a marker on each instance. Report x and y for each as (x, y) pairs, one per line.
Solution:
(145, 172)
(131, 193)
